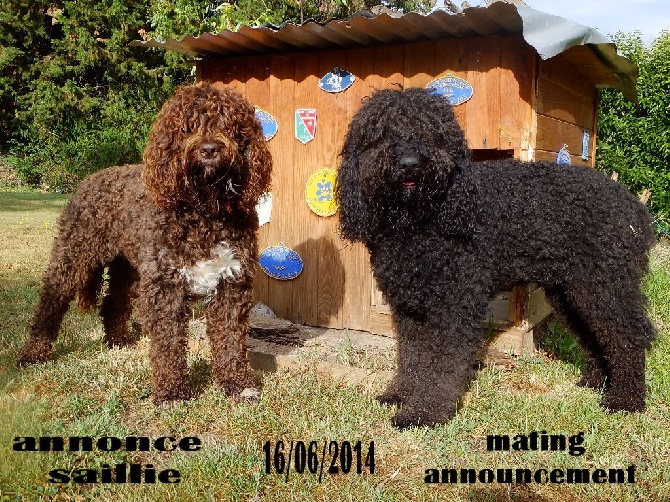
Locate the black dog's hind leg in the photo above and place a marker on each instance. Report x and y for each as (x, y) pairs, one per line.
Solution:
(594, 372)
(624, 332)
(614, 314)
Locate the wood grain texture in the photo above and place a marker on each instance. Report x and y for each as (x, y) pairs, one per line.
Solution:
(520, 103)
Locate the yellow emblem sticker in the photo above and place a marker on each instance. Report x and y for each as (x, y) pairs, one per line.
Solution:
(320, 192)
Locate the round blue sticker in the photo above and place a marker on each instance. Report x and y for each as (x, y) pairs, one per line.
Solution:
(268, 122)
(456, 90)
(281, 262)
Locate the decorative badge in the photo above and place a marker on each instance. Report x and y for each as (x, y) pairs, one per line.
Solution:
(320, 192)
(281, 262)
(456, 90)
(585, 144)
(563, 157)
(264, 208)
(268, 122)
(305, 124)
(337, 80)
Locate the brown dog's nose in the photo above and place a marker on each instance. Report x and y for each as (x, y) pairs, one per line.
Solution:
(209, 150)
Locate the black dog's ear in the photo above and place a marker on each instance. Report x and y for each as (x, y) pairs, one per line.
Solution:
(352, 210)
(460, 214)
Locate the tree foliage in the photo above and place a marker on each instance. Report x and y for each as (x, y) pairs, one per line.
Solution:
(634, 138)
(178, 18)
(75, 97)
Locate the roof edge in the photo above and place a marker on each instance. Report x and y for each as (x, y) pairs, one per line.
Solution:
(549, 35)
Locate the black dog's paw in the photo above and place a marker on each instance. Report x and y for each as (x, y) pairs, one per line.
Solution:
(411, 416)
(390, 398)
(592, 378)
(614, 403)
(397, 392)
(591, 382)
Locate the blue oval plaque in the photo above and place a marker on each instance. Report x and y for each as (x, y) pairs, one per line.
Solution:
(268, 122)
(456, 90)
(281, 262)
(337, 80)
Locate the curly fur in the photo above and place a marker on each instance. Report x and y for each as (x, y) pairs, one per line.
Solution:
(179, 226)
(445, 234)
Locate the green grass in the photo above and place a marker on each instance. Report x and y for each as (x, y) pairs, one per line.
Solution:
(90, 390)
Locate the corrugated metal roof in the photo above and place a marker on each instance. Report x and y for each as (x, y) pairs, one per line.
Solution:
(549, 35)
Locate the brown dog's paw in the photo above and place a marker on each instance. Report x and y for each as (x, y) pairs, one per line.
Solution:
(34, 355)
(170, 397)
(250, 395)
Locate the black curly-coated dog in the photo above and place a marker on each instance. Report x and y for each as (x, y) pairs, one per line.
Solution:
(445, 234)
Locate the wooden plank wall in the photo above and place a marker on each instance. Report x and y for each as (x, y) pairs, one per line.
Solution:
(566, 106)
(335, 288)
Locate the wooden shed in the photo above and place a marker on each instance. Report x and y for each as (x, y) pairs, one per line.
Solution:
(533, 79)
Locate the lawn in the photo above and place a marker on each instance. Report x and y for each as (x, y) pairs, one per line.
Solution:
(91, 391)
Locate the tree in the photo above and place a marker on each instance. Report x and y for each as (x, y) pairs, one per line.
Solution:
(75, 98)
(81, 99)
(25, 34)
(634, 138)
(177, 18)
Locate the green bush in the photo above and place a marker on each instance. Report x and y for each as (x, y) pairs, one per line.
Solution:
(59, 161)
(633, 138)
(74, 95)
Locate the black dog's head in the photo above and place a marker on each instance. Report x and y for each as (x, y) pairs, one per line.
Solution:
(400, 153)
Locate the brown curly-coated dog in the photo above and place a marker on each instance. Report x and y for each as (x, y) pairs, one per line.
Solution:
(181, 225)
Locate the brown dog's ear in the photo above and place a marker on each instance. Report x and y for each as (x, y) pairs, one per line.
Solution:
(163, 159)
(259, 163)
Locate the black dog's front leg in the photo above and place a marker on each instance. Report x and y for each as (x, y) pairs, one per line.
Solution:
(437, 311)
(435, 366)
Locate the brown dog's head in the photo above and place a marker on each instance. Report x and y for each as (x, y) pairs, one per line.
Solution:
(206, 151)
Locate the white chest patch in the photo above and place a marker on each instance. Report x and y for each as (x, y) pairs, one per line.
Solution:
(203, 277)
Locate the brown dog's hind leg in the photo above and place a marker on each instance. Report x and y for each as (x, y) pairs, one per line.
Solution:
(117, 305)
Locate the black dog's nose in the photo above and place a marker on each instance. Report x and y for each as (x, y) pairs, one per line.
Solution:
(409, 161)
(209, 150)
